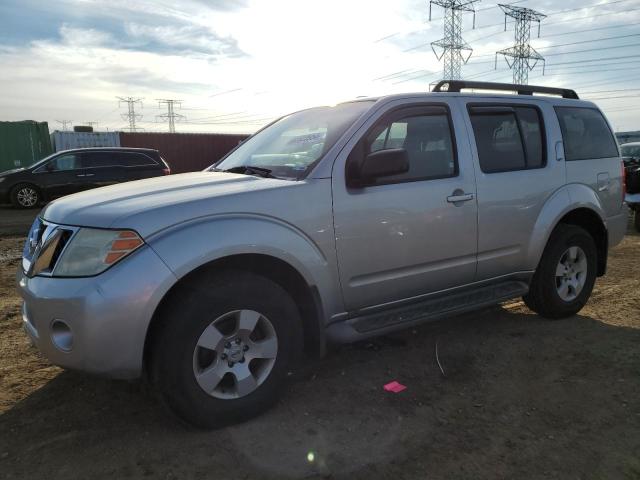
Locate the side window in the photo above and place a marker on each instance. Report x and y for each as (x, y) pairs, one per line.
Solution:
(98, 159)
(64, 162)
(585, 134)
(134, 160)
(532, 129)
(426, 138)
(508, 138)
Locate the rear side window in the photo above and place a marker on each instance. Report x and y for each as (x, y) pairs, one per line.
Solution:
(134, 159)
(98, 159)
(585, 134)
(508, 138)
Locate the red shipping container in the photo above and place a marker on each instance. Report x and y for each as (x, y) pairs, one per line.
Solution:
(185, 152)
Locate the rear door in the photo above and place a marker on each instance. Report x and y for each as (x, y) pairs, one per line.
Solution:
(591, 154)
(101, 168)
(406, 235)
(516, 173)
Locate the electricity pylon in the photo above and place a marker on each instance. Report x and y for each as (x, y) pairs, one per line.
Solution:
(131, 116)
(522, 57)
(454, 50)
(170, 116)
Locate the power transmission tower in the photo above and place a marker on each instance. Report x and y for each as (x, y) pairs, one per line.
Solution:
(64, 124)
(454, 49)
(131, 116)
(170, 116)
(522, 57)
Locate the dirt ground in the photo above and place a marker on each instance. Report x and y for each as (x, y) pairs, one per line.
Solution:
(522, 398)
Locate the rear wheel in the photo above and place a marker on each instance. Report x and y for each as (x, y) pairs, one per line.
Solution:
(25, 195)
(226, 344)
(566, 274)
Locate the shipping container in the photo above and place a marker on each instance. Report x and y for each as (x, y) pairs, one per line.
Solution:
(69, 140)
(23, 143)
(185, 152)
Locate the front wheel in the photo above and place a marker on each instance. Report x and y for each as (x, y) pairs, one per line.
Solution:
(227, 342)
(566, 274)
(25, 196)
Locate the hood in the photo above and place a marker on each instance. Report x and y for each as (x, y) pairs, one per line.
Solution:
(9, 172)
(153, 204)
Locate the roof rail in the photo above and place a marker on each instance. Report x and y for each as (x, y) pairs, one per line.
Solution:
(458, 85)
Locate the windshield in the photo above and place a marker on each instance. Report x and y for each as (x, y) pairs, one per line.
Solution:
(630, 150)
(293, 144)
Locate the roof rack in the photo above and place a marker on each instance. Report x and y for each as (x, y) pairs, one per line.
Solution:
(458, 85)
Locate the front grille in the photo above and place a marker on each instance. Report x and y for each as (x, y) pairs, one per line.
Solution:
(44, 246)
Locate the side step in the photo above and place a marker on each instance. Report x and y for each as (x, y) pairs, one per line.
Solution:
(433, 308)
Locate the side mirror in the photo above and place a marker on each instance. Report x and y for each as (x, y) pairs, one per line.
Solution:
(383, 163)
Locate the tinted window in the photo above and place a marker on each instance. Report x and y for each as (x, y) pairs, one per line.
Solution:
(64, 162)
(427, 140)
(585, 134)
(133, 159)
(531, 128)
(98, 159)
(498, 140)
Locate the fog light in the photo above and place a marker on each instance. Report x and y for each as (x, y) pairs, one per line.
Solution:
(61, 335)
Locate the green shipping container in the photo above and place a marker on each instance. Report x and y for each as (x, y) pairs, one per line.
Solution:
(23, 143)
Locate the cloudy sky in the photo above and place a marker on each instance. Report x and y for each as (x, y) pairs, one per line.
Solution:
(237, 63)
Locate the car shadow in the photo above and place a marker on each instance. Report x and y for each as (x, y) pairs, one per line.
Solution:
(514, 396)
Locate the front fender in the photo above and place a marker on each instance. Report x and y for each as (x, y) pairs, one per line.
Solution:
(187, 246)
(565, 199)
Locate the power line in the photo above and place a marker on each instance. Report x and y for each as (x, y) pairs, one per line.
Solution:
(131, 116)
(452, 44)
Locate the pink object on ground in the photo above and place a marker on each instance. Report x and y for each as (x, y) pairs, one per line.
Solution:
(394, 387)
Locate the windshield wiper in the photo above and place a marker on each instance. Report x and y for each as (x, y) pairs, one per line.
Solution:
(250, 170)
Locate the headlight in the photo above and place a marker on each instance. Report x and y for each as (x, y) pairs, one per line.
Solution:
(91, 251)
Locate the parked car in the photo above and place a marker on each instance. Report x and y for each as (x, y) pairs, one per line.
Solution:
(72, 171)
(631, 157)
(331, 224)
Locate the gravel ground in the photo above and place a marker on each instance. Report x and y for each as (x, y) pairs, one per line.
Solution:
(522, 398)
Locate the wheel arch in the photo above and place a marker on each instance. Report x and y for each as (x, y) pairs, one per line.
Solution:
(305, 296)
(574, 204)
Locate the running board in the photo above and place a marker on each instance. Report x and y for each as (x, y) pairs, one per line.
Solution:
(379, 323)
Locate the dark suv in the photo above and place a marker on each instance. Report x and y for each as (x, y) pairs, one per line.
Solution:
(75, 170)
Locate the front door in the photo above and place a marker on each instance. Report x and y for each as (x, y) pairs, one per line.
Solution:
(61, 175)
(412, 233)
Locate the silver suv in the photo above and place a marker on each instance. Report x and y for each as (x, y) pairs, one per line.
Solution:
(331, 224)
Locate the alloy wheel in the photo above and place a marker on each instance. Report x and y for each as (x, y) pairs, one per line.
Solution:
(235, 354)
(571, 273)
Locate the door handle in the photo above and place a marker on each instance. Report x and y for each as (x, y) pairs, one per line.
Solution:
(464, 197)
(88, 174)
(80, 175)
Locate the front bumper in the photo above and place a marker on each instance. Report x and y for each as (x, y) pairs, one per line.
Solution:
(108, 315)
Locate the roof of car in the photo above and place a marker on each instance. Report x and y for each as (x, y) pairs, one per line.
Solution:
(103, 149)
(556, 100)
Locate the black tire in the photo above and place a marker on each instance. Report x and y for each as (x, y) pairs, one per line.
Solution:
(636, 219)
(18, 199)
(188, 313)
(543, 297)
